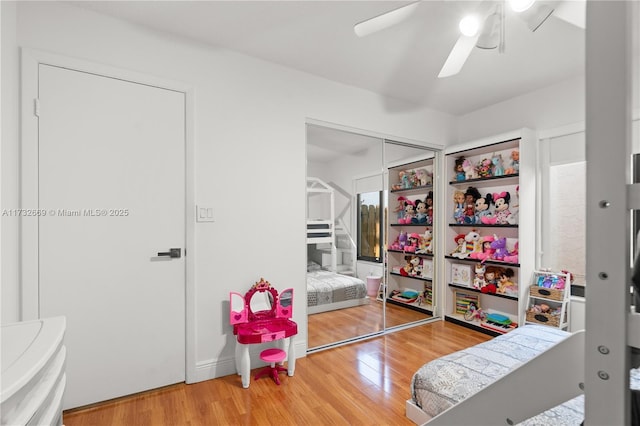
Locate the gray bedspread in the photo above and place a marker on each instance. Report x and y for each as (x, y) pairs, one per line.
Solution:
(445, 381)
(325, 287)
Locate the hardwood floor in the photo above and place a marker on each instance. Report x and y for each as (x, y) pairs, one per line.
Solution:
(362, 383)
(356, 321)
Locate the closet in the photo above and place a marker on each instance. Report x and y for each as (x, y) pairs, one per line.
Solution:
(347, 216)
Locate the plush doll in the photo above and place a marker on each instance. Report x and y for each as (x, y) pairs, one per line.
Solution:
(424, 177)
(483, 208)
(514, 167)
(412, 245)
(459, 170)
(486, 252)
(478, 280)
(500, 247)
(483, 168)
(498, 165)
(512, 256)
(491, 275)
(421, 213)
(399, 210)
(426, 240)
(402, 240)
(429, 201)
(405, 178)
(461, 249)
(409, 212)
(473, 242)
(469, 170)
(501, 212)
(458, 207)
(505, 284)
(513, 217)
(470, 197)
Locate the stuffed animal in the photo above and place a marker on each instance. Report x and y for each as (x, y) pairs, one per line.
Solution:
(478, 279)
(469, 170)
(483, 168)
(491, 275)
(500, 247)
(412, 245)
(498, 165)
(424, 177)
(483, 208)
(426, 240)
(409, 212)
(501, 213)
(421, 212)
(429, 201)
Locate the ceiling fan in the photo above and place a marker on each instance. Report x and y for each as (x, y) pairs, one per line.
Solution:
(485, 28)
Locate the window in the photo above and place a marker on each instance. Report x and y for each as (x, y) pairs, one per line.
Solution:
(563, 206)
(370, 226)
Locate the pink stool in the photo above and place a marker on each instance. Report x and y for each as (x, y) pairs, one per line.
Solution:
(272, 356)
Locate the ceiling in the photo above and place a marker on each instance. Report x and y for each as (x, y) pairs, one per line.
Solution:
(401, 62)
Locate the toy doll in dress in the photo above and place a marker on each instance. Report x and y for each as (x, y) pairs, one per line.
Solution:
(505, 284)
(470, 197)
(459, 170)
(399, 210)
(461, 247)
(429, 201)
(491, 275)
(458, 206)
(514, 167)
(487, 251)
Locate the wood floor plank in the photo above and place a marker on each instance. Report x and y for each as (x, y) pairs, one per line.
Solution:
(364, 383)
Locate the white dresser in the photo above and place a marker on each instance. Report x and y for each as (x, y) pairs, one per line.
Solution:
(33, 372)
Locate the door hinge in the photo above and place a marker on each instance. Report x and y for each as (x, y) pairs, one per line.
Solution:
(36, 107)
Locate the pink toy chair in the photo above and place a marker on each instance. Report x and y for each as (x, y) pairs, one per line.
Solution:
(272, 356)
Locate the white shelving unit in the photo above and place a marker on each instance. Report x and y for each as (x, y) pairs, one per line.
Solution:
(518, 230)
(542, 292)
(410, 269)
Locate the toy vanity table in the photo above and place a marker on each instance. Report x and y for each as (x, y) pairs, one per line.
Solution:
(262, 316)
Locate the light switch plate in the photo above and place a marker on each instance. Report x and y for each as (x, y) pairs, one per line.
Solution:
(204, 213)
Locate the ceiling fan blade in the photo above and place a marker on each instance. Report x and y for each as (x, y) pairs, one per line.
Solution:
(458, 56)
(573, 12)
(385, 20)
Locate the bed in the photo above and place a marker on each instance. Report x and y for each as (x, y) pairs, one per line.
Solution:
(328, 291)
(447, 381)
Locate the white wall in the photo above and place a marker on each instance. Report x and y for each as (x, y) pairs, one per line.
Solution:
(554, 106)
(250, 153)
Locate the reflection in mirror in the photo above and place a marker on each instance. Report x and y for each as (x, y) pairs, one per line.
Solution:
(261, 301)
(340, 165)
(409, 240)
(346, 229)
(285, 298)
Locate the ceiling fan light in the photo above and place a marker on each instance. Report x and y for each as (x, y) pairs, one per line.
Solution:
(490, 36)
(520, 5)
(469, 25)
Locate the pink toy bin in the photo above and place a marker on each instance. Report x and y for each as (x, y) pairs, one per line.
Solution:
(373, 284)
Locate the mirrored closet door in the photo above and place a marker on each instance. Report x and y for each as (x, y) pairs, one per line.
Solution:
(347, 225)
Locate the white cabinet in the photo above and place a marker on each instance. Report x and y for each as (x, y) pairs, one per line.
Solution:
(489, 247)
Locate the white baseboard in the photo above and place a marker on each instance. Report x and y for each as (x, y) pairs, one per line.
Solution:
(214, 368)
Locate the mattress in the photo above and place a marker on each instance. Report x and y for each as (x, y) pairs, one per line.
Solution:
(445, 381)
(325, 287)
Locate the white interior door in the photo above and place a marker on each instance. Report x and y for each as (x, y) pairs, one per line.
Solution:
(112, 181)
